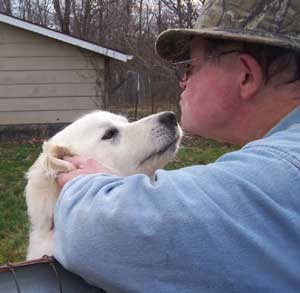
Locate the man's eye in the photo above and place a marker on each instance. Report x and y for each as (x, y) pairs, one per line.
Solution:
(110, 133)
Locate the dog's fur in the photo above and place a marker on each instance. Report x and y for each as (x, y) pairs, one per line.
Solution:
(122, 147)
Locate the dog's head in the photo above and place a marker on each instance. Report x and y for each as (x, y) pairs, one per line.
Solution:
(123, 147)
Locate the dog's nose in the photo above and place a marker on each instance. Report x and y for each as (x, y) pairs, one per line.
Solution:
(168, 119)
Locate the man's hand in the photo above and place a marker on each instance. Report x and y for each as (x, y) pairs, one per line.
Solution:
(82, 166)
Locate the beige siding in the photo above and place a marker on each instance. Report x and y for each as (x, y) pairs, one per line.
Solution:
(47, 63)
(11, 34)
(9, 118)
(47, 90)
(38, 104)
(42, 49)
(12, 77)
(44, 80)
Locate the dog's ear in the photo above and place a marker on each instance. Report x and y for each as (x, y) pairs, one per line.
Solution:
(53, 162)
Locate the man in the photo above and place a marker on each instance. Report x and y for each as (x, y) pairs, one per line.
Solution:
(230, 226)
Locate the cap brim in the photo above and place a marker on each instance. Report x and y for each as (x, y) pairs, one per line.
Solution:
(174, 44)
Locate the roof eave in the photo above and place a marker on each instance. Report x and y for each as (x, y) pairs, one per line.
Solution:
(64, 38)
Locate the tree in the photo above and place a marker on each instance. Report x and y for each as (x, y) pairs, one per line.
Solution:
(185, 11)
(5, 6)
(63, 18)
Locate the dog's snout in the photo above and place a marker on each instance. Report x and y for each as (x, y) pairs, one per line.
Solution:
(168, 119)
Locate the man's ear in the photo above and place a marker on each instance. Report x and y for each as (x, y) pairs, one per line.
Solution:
(251, 76)
(54, 163)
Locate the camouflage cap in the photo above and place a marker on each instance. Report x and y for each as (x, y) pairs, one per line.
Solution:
(272, 22)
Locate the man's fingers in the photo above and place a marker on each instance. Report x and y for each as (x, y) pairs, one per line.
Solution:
(77, 161)
(63, 178)
(80, 162)
(83, 165)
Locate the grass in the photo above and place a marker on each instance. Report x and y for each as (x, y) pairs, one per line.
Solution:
(16, 158)
(199, 151)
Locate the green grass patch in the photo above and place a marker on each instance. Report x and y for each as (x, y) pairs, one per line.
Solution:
(15, 160)
(199, 151)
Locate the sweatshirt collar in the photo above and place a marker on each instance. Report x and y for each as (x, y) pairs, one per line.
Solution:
(290, 119)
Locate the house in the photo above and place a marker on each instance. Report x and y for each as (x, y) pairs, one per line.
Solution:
(49, 77)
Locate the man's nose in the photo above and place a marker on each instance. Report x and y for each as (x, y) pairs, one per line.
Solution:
(183, 80)
(182, 83)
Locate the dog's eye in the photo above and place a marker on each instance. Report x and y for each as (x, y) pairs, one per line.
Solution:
(110, 133)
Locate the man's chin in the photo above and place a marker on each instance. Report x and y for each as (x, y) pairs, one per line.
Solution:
(192, 128)
(185, 124)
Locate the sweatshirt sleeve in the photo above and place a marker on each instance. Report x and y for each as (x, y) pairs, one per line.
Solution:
(197, 229)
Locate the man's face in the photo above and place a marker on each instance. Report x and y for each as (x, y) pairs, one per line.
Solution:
(210, 96)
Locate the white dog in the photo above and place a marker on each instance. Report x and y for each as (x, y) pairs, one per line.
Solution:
(122, 147)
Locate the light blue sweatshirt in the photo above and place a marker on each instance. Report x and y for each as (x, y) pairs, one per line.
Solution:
(230, 226)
